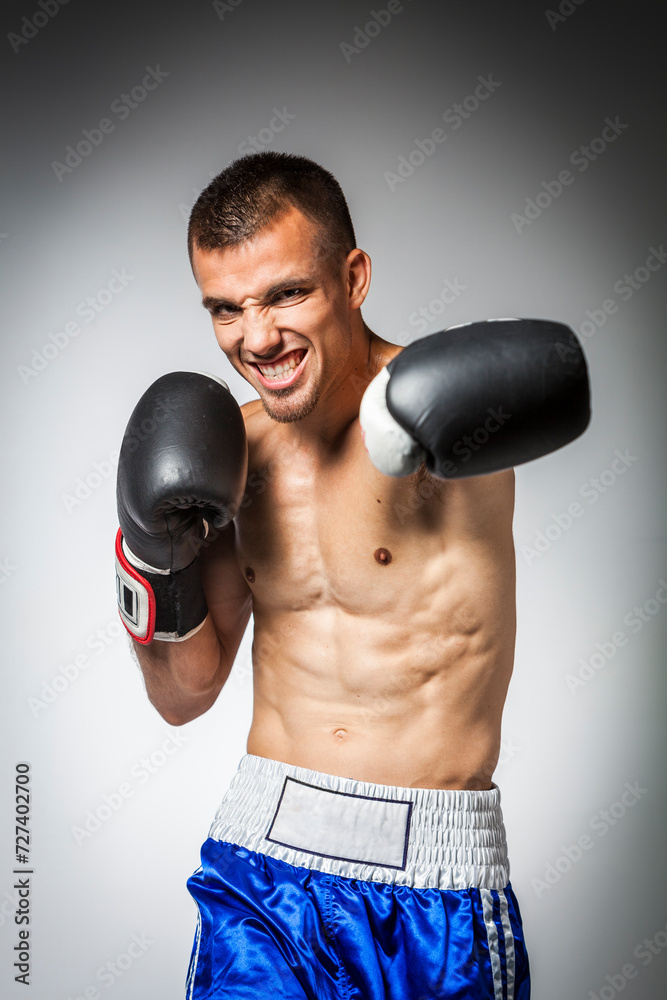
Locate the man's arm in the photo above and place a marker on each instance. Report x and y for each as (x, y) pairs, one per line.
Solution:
(183, 679)
(181, 475)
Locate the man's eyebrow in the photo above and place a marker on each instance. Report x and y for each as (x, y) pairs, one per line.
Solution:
(212, 302)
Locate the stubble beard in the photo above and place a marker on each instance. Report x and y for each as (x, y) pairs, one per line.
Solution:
(278, 407)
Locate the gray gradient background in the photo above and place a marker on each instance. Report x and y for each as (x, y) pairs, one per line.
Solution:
(567, 756)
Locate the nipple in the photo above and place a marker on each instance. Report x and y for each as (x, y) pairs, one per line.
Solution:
(250, 574)
(383, 556)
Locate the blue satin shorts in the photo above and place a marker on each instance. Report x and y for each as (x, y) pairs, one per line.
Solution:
(326, 888)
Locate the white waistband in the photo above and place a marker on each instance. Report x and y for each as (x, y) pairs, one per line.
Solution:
(421, 837)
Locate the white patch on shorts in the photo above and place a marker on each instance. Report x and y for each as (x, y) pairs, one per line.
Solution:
(341, 825)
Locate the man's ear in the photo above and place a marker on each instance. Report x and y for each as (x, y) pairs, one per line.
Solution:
(358, 277)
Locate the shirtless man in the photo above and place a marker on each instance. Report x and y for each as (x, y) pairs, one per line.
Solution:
(360, 850)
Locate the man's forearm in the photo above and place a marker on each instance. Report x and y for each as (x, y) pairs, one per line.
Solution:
(183, 679)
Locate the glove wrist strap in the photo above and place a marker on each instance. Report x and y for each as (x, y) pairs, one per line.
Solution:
(155, 603)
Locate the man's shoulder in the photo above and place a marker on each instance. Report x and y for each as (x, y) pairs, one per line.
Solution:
(257, 422)
(388, 352)
(251, 407)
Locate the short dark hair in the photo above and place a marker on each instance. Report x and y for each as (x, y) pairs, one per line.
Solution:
(254, 190)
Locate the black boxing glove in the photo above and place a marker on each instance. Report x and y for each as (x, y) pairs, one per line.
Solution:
(476, 399)
(182, 470)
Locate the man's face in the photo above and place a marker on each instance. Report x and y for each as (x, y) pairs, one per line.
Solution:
(280, 314)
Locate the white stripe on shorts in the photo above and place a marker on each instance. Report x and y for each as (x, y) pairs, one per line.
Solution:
(492, 937)
(509, 944)
(494, 945)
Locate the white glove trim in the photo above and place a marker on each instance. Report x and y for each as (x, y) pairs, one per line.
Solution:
(391, 449)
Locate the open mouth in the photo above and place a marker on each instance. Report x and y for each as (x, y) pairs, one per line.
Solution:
(283, 371)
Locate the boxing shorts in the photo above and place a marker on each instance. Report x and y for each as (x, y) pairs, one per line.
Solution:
(320, 887)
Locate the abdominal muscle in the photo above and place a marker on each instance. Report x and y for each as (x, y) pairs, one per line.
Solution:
(380, 701)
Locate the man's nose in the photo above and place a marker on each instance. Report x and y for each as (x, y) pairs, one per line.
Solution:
(260, 331)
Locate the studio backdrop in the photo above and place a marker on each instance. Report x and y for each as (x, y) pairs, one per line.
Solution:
(499, 161)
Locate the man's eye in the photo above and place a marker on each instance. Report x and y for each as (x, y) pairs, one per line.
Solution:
(291, 293)
(224, 310)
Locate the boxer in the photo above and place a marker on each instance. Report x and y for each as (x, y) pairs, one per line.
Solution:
(361, 510)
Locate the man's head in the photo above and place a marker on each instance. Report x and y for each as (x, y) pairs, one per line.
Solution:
(273, 251)
(253, 191)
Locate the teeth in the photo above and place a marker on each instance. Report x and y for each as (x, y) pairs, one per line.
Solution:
(278, 371)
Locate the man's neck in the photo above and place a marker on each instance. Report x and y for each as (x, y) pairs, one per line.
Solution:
(339, 405)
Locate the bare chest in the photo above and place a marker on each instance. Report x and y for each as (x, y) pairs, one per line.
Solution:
(338, 532)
